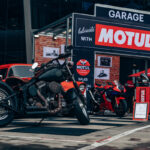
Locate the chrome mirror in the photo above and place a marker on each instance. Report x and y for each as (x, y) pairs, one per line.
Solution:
(34, 65)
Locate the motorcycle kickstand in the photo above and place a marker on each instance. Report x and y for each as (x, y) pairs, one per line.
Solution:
(38, 123)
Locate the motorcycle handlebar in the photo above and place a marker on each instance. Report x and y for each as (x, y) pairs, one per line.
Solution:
(59, 57)
(64, 55)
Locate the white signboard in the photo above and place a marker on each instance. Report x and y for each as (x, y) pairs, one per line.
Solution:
(50, 52)
(104, 61)
(140, 111)
(102, 73)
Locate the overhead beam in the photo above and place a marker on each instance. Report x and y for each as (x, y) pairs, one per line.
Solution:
(53, 24)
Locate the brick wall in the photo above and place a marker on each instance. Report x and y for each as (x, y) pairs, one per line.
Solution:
(114, 69)
(46, 41)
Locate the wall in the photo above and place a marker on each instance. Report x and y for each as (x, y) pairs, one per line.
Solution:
(114, 69)
(46, 41)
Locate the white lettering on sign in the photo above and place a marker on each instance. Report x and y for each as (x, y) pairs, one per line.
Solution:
(83, 38)
(142, 95)
(83, 79)
(107, 36)
(121, 34)
(122, 37)
(83, 67)
(126, 16)
(83, 30)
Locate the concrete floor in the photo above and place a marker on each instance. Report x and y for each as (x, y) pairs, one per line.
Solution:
(103, 133)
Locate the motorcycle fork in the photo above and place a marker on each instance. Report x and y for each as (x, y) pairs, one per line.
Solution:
(118, 99)
(93, 98)
(76, 86)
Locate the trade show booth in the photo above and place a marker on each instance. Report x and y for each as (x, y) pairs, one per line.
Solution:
(98, 41)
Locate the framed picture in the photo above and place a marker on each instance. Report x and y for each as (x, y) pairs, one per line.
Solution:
(102, 73)
(104, 61)
(50, 52)
(140, 111)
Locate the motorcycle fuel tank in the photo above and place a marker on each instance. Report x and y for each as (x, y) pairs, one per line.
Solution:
(52, 75)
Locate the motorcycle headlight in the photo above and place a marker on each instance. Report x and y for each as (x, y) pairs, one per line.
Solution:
(82, 87)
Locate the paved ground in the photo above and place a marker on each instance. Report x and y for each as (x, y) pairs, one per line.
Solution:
(104, 133)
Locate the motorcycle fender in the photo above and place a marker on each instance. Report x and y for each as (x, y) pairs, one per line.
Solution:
(6, 86)
(118, 99)
(70, 95)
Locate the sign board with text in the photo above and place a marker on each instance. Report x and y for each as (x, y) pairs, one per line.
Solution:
(140, 111)
(84, 66)
(121, 14)
(111, 37)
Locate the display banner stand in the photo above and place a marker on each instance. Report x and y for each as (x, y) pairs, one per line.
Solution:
(140, 111)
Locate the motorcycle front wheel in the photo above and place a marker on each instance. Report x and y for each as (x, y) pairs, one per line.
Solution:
(81, 113)
(6, 115)
(122, 108)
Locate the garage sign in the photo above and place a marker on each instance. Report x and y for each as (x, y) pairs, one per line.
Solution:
(121, 14)
(111, 37)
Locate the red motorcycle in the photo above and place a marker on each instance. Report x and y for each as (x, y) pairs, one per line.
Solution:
(110, 96)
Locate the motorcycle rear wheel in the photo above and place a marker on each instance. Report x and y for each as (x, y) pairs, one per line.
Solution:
(81, 112)
(122, 108)
(6, 115)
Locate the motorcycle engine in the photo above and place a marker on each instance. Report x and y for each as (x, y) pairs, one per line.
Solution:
(55, 87)
(43, 93)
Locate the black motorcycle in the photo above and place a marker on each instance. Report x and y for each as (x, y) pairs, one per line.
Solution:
(43, 94)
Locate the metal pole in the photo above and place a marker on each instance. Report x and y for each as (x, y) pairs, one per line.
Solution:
(67, 32)
(146, 66)
(33, 49)
(28, 29)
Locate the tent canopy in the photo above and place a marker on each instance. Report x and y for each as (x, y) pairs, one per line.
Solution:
(139, 73)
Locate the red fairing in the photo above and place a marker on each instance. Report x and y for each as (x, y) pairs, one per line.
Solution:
(106, 101)
(118, 99)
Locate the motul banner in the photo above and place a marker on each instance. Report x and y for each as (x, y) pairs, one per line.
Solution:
(111, 37)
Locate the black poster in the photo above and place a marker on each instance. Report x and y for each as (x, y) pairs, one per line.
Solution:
(84, 66)
(84, 69)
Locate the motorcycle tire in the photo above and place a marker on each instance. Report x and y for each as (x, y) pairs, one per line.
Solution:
(81, 112)
(6, 115)
(121, 109)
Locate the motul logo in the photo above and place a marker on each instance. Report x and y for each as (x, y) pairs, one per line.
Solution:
(122, 37)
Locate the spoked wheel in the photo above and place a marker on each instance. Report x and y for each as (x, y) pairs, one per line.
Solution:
(6, 115)
(80, 111)
(121, 109)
